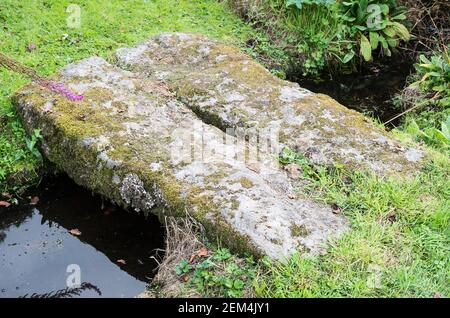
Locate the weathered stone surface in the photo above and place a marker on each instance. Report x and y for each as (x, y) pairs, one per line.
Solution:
(228, 89)
(132, 141)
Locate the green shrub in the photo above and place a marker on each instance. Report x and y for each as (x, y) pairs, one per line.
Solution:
(429, 97)
(431, 135)
(434, 76)
(374, 24)
(335, 34)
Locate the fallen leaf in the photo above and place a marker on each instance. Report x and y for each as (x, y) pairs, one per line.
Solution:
(7, 195)
(192, 258)
(34, 200)
(75, 232)
(203, 252)
(121, 261)
(392, 217)
(5, 204)
(335, 208)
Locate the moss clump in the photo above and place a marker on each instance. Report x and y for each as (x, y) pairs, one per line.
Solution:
(299, 230)
(245, 182)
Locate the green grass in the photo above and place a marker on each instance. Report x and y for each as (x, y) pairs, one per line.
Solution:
(105, 26)
(400, 228)
(398, 246)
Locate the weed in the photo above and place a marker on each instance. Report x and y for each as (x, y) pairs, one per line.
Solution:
(220, 274)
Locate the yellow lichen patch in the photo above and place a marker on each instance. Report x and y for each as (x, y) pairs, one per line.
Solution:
(245, 182)
(298, 230)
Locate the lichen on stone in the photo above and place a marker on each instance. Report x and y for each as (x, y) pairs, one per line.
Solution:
(121, 142)
(133, 193)
(228, 89)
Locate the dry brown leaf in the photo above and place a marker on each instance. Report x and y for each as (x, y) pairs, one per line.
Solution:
(203, 252)
(7, 195)
(34, 200)
(335, 208)
(75, 232)
(5, 204)
(192, 258)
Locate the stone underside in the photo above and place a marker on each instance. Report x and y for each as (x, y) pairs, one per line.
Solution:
(152, 135)
(228, 89)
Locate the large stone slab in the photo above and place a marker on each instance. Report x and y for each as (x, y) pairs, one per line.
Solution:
(133, 142)
(229, 90)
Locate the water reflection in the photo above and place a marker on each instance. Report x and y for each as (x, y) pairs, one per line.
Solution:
(36, 247)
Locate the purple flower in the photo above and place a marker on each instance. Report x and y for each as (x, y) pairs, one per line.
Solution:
(58, 88)
(31, 47)
(62, 90)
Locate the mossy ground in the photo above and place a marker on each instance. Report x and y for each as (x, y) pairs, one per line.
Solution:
(105, 26)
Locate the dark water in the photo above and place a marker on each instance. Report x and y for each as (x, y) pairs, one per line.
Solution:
(369, 92)
(36, 247)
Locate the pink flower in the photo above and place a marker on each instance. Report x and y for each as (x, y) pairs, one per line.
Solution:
(31, 47)
(62, 90)
(58, 88)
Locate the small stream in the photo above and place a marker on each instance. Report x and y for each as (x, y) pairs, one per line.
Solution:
(114, 252)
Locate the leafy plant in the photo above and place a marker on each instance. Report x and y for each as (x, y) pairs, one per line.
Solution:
(183, 267)
(340, 32)
(299, 3)
(220, 274)
(288, 156)
(431, 135)
(375, 24)
(31, 143)
(434, 76)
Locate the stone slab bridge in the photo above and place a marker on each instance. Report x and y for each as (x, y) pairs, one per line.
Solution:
(184, 124)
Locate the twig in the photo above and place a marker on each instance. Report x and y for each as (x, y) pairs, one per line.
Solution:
(410, 109)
